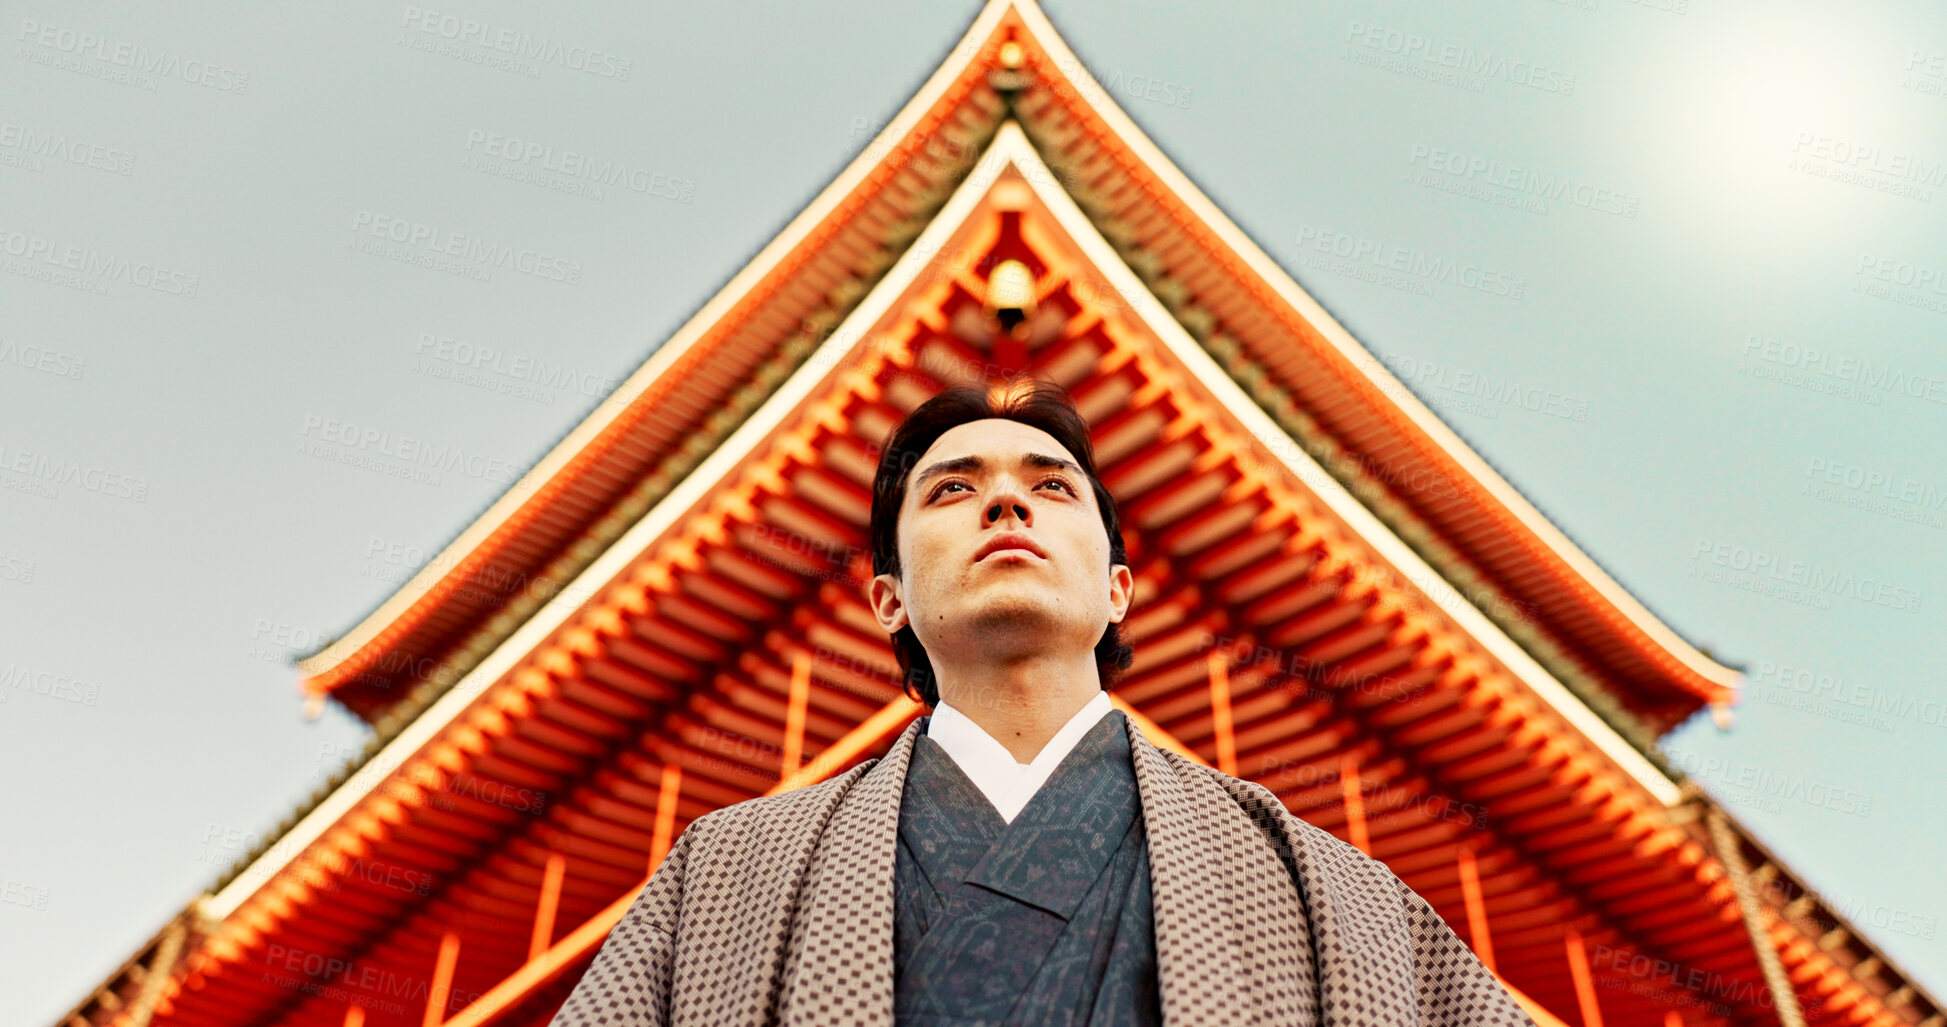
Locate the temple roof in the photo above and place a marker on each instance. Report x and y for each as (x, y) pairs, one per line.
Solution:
(1320, 385)
(666, 616)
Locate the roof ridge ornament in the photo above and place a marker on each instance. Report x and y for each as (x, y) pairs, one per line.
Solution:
(1008, 76)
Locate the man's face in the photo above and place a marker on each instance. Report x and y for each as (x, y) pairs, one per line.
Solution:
(1000, 483)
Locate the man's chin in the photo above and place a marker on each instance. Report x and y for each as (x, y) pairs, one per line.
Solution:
(1014, 610)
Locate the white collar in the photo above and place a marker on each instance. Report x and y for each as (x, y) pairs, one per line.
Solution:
(1007, 783)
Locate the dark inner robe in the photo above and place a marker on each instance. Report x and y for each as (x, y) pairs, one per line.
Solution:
(1045, 920)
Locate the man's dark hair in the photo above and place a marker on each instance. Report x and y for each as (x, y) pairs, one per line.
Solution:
(1036, 403)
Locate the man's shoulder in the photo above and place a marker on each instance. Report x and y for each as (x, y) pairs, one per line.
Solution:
(785, 812)
(1295, 837)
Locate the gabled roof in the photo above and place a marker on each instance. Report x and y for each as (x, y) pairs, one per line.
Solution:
(684, 630)
(1317, 383)
(654, 679)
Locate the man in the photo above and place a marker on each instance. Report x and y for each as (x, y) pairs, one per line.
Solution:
(1024, 854)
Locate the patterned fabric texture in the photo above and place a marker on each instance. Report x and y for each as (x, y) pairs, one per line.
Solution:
(1044, 919)
(780, 910)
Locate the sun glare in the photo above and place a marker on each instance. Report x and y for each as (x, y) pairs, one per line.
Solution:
(1788, 132)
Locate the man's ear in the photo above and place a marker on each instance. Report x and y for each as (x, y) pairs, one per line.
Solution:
(888, 605)
(1122, 589)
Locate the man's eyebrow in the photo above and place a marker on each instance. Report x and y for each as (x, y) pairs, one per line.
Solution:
(1044, 460)
(958, 463)
(975, 463)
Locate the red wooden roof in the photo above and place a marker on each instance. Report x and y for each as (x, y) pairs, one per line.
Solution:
(706, 639)
(1337, 401)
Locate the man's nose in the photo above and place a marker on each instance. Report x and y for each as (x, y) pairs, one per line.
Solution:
(1008, 500)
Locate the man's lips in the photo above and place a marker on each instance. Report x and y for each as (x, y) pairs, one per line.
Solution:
(1009, 541)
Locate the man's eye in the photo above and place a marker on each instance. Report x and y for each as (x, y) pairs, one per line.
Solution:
(940, 489)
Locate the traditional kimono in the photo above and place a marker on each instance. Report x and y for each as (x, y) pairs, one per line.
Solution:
(783, 910)
(1044, 919)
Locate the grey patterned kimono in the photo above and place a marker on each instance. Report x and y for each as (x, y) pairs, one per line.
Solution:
(780, 910)
(1044, 919)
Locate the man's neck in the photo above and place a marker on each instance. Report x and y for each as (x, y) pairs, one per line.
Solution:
(1022, 708)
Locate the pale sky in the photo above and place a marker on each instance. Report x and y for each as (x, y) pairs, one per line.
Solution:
(1737, 317)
